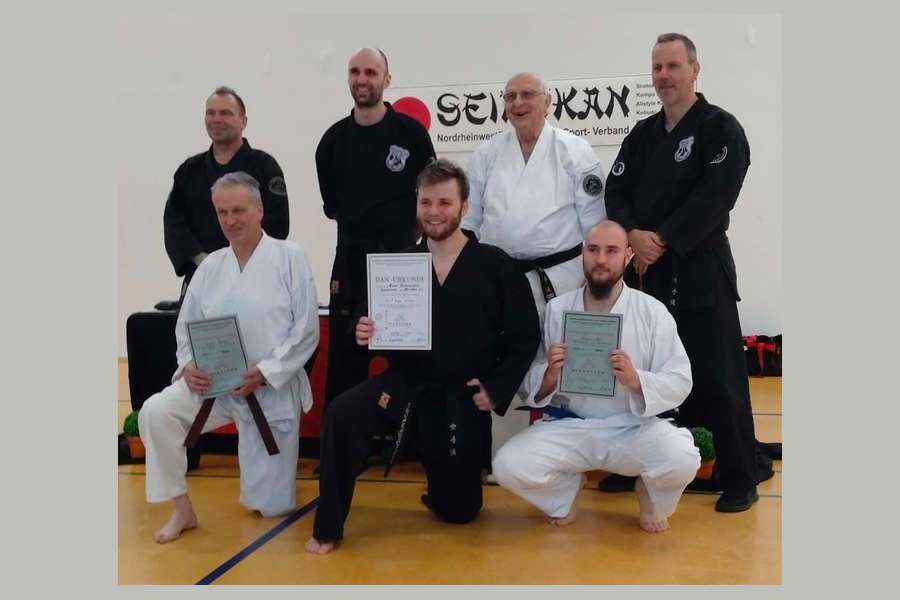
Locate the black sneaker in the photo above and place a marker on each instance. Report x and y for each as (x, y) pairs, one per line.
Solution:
(615, 483)
(764, 470)
(427, 502)
(732, 502)
(770, 449)
(705, 485)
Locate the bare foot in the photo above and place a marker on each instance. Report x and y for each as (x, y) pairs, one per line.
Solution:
(569, 518)
(648, 519)
(180, 520)
(314, 546)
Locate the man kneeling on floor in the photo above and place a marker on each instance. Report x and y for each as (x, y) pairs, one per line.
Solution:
(485, 333)
(545, 463)
(269, 285)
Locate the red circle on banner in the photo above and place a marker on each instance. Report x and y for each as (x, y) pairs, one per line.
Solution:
(415, 108)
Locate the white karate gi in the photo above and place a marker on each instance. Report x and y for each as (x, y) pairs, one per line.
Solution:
(275, 300)
(620, 434)
(532, 210)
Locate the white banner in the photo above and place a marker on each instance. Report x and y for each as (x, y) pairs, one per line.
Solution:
(602, 110)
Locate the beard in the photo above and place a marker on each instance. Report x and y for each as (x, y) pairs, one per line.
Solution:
(439, 235)
(366, 98)
(601, 287)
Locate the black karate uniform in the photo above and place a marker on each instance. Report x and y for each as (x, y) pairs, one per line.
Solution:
(682, 184)
(484, 326)
(367, 177)
(189, 220)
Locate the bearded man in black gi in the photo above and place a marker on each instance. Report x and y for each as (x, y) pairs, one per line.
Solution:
(367, 165)
(485, 332)
(677, 176)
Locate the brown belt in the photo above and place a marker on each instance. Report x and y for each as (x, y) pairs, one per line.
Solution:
(264, 430)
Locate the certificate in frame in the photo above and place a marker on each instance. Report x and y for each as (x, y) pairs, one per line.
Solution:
(589, 339)
(218, 350)
(399, 294)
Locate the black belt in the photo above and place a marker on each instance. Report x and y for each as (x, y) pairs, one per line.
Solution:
(545, 262)
(430, 391)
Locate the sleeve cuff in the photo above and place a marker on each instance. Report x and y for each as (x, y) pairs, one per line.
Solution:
(271, 374)
(636, 401)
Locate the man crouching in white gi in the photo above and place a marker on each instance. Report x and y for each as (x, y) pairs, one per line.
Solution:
(269, 285)
(545, 463)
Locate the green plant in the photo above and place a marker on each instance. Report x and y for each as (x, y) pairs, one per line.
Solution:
(703, 439)
(130, 426)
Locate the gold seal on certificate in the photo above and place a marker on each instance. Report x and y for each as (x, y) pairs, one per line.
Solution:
(589, 338)
(400, 300)
(218, 350)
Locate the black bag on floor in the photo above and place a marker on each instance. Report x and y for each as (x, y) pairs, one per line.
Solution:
(150, 339)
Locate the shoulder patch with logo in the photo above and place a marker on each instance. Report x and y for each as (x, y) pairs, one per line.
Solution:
(396, 158)
(618, 168)
(720, 156)
(278, 186)
(684, 149)
(592, 185)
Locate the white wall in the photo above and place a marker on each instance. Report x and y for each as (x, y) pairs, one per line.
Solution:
(291, 71)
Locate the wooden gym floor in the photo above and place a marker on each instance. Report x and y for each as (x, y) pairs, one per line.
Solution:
(390, 538)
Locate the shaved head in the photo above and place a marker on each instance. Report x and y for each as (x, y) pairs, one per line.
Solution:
(375, 53)
(608, 231)
(605, 255)
(367, 76)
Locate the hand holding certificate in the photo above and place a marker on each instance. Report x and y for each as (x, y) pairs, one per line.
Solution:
(218, 352)
(399, 288)
(589, 340)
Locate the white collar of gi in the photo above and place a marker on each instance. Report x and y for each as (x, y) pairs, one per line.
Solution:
(618, 307)
(264, 241)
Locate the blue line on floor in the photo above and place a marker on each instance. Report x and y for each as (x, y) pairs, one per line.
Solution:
(231, 562)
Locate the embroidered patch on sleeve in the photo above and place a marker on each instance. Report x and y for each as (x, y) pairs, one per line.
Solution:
(592, 185)
(720, 156)
(278, 186)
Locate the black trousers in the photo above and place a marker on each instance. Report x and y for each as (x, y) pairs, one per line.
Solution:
(349, 423)
(720, 397)
(348, 362)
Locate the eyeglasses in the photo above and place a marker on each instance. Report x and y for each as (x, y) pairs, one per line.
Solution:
(525, 95)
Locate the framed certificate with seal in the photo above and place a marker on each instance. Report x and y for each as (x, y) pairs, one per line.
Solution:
(399, 291)
(219, 351)
(589, 338)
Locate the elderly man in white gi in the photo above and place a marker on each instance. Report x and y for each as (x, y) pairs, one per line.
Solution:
(545, 464)
(269, 285)
(536, 189)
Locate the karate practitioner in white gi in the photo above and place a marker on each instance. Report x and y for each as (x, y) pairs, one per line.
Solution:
(536, 190)
(545, 463)
(269, 285)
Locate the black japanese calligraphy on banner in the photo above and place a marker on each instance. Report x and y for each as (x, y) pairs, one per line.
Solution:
(462, 117)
